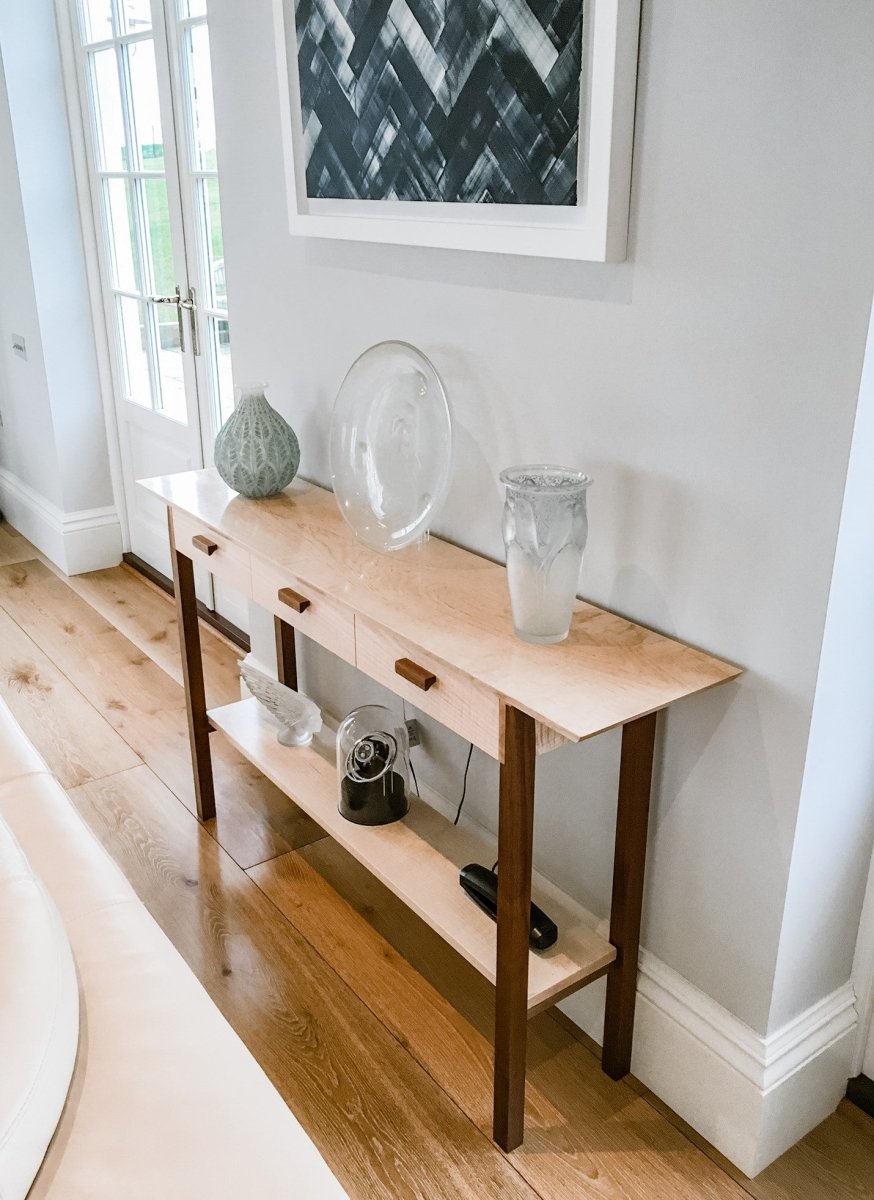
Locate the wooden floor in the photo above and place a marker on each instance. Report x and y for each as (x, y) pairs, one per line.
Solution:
(375, 1032)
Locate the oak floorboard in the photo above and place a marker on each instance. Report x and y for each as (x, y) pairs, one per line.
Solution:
(13, 547)
(207, 908)
(74, 739)
(384, 1127)
(586, 1137)
(835, 1161)
(147, 617)
(147, 709)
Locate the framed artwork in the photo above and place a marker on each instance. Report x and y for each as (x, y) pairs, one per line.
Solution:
(492, 125)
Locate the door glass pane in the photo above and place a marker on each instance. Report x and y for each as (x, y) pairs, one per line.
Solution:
(146, 105)
(192, 8)
(170, 366)
(112, 152)
(200, 98)
(214, 255)
(126, 269)
(136, 15)
(220, 354)
(163, 274)
(134, 335)
(96, 18)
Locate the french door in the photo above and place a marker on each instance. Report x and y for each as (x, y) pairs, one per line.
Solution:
(146, 89)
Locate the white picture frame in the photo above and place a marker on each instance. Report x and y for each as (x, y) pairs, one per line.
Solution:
(594, 230)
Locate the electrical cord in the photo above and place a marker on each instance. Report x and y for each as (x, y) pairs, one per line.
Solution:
(464, 784)
(412, 768)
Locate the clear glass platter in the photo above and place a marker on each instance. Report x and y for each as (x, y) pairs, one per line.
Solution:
(391, 445)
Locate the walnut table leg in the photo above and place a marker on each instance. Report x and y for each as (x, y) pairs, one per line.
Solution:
(192, 676)
(515, 844)
(286, 653)
(635, 779)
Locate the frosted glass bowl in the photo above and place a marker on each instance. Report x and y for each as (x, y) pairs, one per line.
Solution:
(391, 445)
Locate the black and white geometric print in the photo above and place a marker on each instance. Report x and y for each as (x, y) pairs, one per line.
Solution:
(472, 101)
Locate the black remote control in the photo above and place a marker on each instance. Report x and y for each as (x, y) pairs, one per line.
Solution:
(481, 885)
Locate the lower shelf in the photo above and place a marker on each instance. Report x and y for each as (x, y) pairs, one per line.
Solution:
(419, 859)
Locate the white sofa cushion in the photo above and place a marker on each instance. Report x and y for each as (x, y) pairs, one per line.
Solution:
(17, 755)
(166, 1101)
(39, 1019)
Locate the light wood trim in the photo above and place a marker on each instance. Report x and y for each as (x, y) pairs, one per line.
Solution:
(456, 604)
(419, 859)
(322, 618)
(547, 739)
(212, 551)
(451, 696)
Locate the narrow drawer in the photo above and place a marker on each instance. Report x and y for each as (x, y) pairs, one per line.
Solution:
(212, 552)
(318, 616)
(448, 695)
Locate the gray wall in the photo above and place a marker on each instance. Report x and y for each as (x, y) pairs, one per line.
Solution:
(709, 385)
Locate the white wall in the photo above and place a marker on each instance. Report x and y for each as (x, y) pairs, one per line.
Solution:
(709, 385)
(835, 828)
(26, 437)
(54, 445)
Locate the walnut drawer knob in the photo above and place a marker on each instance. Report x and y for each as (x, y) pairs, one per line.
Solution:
(293, 599)
(420, 677)
(199, 542)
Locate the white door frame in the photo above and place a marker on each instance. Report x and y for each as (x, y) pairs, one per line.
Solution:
(90, 244)
(137, 425)
(202, 373)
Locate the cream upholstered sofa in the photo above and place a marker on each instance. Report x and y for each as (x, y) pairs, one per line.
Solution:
(119, 1078)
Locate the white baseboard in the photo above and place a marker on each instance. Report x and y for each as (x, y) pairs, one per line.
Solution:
(87, 540)
(752, 1097)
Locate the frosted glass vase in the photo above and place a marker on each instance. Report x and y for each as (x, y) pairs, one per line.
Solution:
(545, 532)
(256, 452)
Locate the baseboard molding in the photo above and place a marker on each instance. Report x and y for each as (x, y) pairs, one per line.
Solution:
(752, 1097)
(86, 540)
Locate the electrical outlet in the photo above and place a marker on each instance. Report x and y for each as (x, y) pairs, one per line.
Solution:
(413, 733)
(19, 346)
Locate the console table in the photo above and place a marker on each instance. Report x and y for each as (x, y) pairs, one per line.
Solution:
(432, 623)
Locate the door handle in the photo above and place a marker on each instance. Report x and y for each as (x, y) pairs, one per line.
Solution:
(178, 301)
(191, 305)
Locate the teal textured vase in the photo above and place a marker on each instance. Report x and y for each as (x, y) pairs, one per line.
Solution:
(256, 452)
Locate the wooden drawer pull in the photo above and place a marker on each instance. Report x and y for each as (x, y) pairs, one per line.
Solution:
(421, 677)
(293, 599)
(199, 542)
